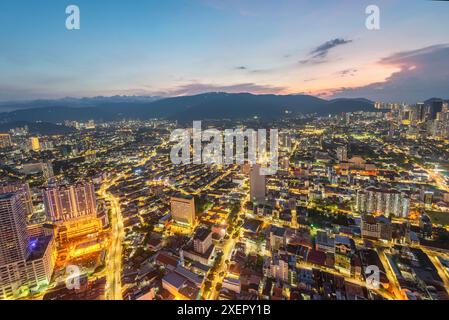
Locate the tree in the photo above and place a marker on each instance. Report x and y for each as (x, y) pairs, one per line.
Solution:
(207, 286)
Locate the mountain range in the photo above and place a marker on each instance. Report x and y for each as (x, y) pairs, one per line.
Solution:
(215, 105)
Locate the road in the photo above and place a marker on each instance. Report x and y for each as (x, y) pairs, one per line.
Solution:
(440, 269)
(114, 257)
(396, 288)
(227, 251)
(436, 176)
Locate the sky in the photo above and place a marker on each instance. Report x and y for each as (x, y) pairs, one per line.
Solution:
(183, 47)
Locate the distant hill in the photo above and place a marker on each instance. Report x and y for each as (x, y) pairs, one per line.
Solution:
(73, 102)
(217, 105)
(43, 128)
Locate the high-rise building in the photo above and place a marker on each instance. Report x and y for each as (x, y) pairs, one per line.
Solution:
(67, 202)
(183, 209)
(434, 107)
(257, 184)
(342, 153)
(13, 236)
(5, 140)
(382, 201)
(21, 188)
(202, 250)
(47, 170)
(202, 240)
(34, 144)
(24, 261)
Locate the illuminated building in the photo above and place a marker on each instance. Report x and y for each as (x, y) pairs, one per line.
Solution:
(23, 189)
(257, 184)
(13, 237)
(41, 261)
(202, 240)
(78, 227)
(277, 238)
(342, 153)
(34, 143)
(378, 228)
(5, 140)
(25, 263)
(277, 267)
(37, 167)
(344, 250)
(183, 210)
(67, 202)
(382, 201)
(183, 284)
(203, 250)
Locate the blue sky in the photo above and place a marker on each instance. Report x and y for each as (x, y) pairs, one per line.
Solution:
(178, 47)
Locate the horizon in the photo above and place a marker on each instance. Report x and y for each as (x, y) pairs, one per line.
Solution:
(191, 47)
(4, 102)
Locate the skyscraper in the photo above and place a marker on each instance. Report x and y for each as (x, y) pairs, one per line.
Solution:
(183, 209)
(21, 188)
(24, 261)
(13, 236)
(67, 202)
(257, 184)
(434, 107)
(34, 143)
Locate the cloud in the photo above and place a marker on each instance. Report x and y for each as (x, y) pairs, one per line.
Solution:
(319, 54)
(423, 73)
(197, 88)
(347, 72)
(312, 61)
(322, 50)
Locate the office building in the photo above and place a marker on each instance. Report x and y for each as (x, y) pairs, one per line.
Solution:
(183, 210)
(257, 184)
(34, 144)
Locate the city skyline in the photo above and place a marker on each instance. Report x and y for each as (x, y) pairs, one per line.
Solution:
(227, 150)
(188, 47)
